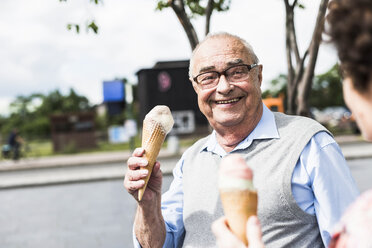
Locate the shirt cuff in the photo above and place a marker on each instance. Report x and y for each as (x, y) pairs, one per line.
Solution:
(169, 240)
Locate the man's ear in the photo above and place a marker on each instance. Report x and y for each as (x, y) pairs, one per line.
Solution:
(260, 67)
(195, 86)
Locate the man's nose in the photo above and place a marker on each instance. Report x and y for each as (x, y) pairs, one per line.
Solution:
(223, 85)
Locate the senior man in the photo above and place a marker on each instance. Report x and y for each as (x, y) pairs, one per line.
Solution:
(301, 176)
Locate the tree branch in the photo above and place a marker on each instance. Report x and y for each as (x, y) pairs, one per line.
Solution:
(179, 8)
(306, 82)
(293, 38)
(290, 83)
(208, 14)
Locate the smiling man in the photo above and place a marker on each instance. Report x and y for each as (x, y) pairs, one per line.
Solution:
(300, 174)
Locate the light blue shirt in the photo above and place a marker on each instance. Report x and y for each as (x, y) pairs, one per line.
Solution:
(320, 163)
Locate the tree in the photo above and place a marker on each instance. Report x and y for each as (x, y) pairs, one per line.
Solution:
(188, 9)
(301, 71)
(300, 68)
(56, 103)
(30, 114)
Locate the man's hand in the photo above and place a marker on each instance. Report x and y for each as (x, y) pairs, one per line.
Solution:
(134, 177)
(226, 239)
(149, 224)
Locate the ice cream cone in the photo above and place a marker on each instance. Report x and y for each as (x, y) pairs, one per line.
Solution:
(238, 195)
(156, 125)
(238, 206)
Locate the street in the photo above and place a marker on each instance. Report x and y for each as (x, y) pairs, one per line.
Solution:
(91, 214)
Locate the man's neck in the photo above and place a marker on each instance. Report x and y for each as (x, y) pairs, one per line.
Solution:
(229, 137)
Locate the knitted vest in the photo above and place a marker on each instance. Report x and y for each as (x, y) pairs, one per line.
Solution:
(284, 224)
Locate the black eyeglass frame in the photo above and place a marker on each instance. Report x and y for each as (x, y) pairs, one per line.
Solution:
(249, 67)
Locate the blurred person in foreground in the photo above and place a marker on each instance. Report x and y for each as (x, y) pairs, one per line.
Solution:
(350, 29)
(301, 176)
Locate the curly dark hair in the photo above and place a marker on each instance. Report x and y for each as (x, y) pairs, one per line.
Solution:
(350, 29)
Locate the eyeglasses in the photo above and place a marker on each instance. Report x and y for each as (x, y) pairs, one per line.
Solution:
(236, 73)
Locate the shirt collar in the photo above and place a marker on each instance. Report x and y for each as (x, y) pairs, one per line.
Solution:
(265, 129)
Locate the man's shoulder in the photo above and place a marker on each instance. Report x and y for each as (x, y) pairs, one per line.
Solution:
(294, 124)
(197, 146)
(284, 119)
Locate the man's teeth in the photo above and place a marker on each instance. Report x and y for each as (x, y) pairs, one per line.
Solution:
(228, 101)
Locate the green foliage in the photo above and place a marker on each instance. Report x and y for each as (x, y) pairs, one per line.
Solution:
(76, 26)
(326, 89)
(30, 114)
(196, 7)
(277, 86)
(162, 4)
(92, 25)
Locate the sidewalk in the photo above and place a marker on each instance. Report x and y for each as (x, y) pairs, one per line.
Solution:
(112, 165)
(353, 147)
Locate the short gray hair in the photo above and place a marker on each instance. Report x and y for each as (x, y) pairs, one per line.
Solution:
(222, 35)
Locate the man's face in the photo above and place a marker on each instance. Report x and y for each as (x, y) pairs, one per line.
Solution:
(227, 104)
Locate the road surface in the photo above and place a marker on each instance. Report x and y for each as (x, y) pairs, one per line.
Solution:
(90, 214)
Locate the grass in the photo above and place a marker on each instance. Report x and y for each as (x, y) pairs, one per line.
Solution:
(43, 148)
(37, 148)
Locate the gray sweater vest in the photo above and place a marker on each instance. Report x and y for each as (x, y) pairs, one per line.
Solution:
(284, 224)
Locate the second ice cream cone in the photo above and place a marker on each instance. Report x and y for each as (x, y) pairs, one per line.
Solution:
(238, 206)
(238, 195)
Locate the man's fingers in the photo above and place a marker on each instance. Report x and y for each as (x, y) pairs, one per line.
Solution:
(133, 186)
(138, 152)
(219, 227)
(224, 237)
(156, 170)
(254, 233)
(135, 175)
(136, 162)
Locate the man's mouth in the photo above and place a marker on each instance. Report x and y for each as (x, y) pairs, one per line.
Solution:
(229, 101)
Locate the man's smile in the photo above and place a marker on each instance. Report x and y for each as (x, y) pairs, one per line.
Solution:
(228, 101)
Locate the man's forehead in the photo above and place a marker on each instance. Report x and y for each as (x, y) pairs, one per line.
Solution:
(223, 51)
(209, 65)
(224, 43)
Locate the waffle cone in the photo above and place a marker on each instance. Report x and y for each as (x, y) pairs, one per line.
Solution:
(153, 136)
(238, 206)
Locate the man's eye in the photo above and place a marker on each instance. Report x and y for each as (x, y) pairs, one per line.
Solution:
(207, 78)
(237, 72)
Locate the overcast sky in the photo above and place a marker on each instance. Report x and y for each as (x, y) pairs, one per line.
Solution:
(38, 54)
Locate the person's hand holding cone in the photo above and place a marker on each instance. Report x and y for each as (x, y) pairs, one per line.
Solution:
(156, 125)
(238, 196)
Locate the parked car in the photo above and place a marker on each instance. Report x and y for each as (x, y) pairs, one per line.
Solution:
(336, 117)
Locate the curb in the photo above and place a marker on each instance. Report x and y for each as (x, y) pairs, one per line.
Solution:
(82, 168)
(56, 175)
(76, 160)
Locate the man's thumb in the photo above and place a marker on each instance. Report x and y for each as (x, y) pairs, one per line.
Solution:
(254, 234)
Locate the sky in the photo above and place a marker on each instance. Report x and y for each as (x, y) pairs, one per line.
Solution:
(38, 54)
